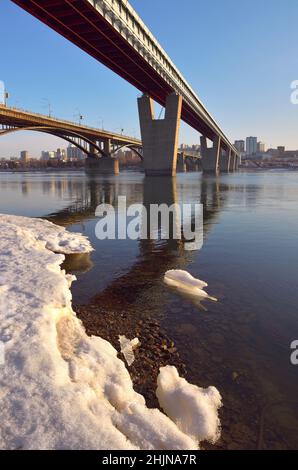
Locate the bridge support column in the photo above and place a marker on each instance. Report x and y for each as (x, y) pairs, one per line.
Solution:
(237, 163)
(160, 136)
(233, 162)
(107, 147)
(103, 166)
(210, 156)
(225, 159)
(181, 166)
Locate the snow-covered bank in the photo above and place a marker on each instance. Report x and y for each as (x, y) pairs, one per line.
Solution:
(55, 237)
(59, 388)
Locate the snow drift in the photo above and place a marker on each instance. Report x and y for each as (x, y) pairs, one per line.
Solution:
(59, 388)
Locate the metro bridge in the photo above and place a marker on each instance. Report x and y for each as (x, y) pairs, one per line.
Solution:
(113, 33)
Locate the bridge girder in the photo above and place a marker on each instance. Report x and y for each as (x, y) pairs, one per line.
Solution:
(69, 136)
(132, 147)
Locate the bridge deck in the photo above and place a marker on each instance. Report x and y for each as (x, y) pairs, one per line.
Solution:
(19, 118)
(112, 32)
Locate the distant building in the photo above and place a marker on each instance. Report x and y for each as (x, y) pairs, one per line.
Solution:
(240, 145)
(48, 155)
(261, 148)
(24, 156)
(61, 155)
(281, 150)
(44, 155)
(74, 153)
(251, 145)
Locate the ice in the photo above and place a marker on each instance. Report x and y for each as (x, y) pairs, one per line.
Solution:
(59, 388)
(193, 409)
(127, 346)
(185, 282)
(178, 276)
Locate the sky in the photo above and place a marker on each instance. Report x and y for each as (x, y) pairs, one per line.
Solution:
(239, 56)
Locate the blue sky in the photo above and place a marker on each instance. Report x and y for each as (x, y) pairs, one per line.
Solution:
(239, 56)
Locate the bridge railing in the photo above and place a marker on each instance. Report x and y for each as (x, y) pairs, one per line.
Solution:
(69, 123)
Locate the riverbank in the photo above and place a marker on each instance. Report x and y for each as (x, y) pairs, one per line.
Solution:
(62, 389)
(156, 348)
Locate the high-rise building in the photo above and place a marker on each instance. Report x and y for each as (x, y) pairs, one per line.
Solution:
(251, 145)
(24, 156)
(74, 153)
(240, 145)
(61, 154)
(48, 155)
(261, 147)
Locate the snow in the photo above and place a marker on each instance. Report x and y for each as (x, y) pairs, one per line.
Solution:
(56, 238)
(193, 409)
(185, 282)
(127, 346)
(59, 388)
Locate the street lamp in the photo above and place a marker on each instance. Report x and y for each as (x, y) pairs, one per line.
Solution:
(79, 116)
(6, 97)
(48, 104)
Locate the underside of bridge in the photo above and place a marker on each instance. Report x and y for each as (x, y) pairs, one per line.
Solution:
(79, 22)
(100, 153)
(112, 33)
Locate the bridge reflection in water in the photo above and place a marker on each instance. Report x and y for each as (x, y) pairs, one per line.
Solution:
(138, 266)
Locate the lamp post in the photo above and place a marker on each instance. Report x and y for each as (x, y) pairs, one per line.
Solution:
(48, 104)
(6, 97)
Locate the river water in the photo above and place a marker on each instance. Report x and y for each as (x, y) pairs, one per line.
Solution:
(249, 257)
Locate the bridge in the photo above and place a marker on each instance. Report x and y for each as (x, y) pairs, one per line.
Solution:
(100, 146)
(113, 33)
(95, 143)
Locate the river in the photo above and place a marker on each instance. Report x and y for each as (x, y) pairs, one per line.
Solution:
(249, 257)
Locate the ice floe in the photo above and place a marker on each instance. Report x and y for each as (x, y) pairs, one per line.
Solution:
(185, 282)
(59, 388)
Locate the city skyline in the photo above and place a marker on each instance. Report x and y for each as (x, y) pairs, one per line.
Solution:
(250, 95)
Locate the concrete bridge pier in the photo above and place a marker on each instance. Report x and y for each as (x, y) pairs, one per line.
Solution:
(210, 156)
(102, 165)
(160, 136)
(192, 164)
(233, 162)
(181, 166)
(237, 163)
(225, 159)
(105, 165)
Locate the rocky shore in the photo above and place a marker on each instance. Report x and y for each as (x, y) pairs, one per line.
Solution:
(155, 350)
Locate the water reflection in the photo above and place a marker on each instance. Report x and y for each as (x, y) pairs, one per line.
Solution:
(151, 258)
